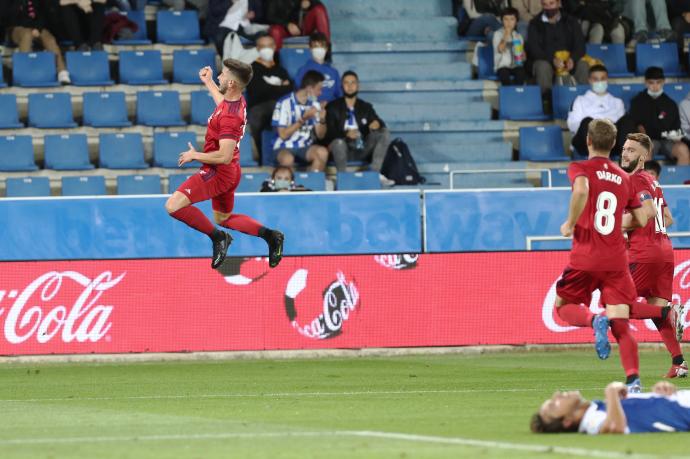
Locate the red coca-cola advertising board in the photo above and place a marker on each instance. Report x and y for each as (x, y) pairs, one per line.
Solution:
(114, 306)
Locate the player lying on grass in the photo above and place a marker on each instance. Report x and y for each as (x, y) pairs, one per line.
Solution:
(665, 409)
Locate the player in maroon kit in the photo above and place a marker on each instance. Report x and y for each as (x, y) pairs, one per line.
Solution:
(220, 173)
(651, 253)
(598, 259)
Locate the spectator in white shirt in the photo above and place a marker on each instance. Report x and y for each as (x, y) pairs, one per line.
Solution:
(509, 50)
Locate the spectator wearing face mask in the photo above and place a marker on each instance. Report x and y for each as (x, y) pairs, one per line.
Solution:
(295, 18)
(597, 103)
(318, 45)
(270, 83)
(282, 180)
(657, 115)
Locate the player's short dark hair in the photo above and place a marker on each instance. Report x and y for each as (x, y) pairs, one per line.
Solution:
(311, 78)
(318, 37)
(653, 166)
(539, 425)
(642, 139)
(283, 168)
(349, 73)
(602, 133)
(510, 11)
(598, 68)
(243, 72)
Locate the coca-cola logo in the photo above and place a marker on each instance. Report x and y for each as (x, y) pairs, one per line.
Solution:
(340, 298)
(32, 316)
(398, 261)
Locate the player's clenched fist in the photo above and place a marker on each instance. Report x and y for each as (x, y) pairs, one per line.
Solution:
(205, 74)
(566, 230)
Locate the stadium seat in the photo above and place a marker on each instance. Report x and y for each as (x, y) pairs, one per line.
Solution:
(202, 105)
(67, 152)
(186, 64)
(178, 28)
(159, 108)
(16, 153)
(51, 110)
(677, 91)
(25, 187)
(368, 180)
(9, 116)
(559, 177)
(121, 151)
(315, 181)
(175, 180)
(90, 68)
(2, 81)
(167, 147)
(626, 92)
(563, 97)
(485, 58)
(520, 103)
(105, 109)
(674, 175)
(613, 57)
(292, 59)
(251, 182)
(141, 67)
(664, 55)
(246, 154)
(88, 185)
(34, 70)
(542, 143)
(139, 37)
(268, 155)
(138, 184)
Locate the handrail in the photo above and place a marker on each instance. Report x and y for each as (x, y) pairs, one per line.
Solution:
(530, 239)
(497, 171)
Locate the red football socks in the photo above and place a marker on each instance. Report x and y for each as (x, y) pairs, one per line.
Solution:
(668, 335)
(575, 314)
(194, 218)
(627, 346)
(243, 223)
(640, 310)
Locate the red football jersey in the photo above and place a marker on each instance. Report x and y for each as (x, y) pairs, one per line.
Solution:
(598, 242)
(227, 121)
(651, 243)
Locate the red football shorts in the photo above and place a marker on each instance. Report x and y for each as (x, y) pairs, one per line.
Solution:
(616, 287)
(653, 279)
(207, 184)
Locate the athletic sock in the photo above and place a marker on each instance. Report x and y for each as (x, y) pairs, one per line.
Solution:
(194, 218)
(639, 310)
(627, 345)
(243, 223)
(678, 359)
(668, 336)
(575, 314)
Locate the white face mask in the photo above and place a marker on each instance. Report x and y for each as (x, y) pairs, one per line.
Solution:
(600, 87)
(654, 94)
(266, 54)
(319, 54)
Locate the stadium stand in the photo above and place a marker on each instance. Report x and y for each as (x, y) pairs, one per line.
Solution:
(141, 67)
(9, 116)
(159, 108)
(178, 28)
(91, 185)
(167, 147)
(315, 181)
(349, 181)
(613, 57)
(292, 59)
(24, 187)
(105, 109)
(16, 153)
(139, 36)
(90, 68)
(541, 143)
(664, 55)
(67, 152)
(186, 64)
(51, 110)
(138, 184)
(122, 151)
(520, 103)
(175, 180)
(34, 70)
(202, 105)
(251, 182)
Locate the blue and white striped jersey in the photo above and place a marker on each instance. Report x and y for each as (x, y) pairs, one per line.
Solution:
(288, 110)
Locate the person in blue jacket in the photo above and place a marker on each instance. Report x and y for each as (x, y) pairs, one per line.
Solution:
(318, 45)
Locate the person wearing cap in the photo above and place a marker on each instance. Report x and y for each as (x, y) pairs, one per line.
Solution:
(658, 116)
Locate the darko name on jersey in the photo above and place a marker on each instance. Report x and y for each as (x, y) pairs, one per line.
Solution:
(610, 177)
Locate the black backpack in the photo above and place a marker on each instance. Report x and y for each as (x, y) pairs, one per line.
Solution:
(399, 165)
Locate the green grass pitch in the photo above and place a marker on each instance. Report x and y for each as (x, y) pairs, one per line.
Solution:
(437, 406)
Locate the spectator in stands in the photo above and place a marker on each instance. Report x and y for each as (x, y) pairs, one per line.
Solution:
(657, 115)
(243, 17)
(270, 83)
(355, 132)
(679, 14)
(556, 31)
(295, 18)
(600, 20)
(299, 120)
(637, 11)
(684, 109)
(597, 103)
(282, 180)
(654, 168)
(527, 10)
(483, 16)
(84, 23)
(27, 23)
(509, 50)
(318, 46)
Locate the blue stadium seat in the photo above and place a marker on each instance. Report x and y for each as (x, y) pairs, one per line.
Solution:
(268, 155)
(121, 151)
(674, 175)
(34, 70)
(368, 180)
(87, 185)
(613, 57)
(677, 91)
(246, 156)
(138, 184)
(485, 57)
(175, 180)
(90, 68)
(542, 143)
(2, 81)
(141, 67)
(139, 37)
(105, 109)
(202, 105)
(563, 97)
(28, 187)
(520, 103)
(186, 64)
(167, 147)
(16, 153)
(67, 152)
(251, 182)
(302, 40)
(51, 110)
(9, 116)
(664, 55)
(559, 177)
(315, 181)
(178, 28)
(159, 108)
(626, 92)
(292, 59)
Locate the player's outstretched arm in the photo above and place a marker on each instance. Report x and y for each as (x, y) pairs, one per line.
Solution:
(206, 77)
(578, 201)
(615, 422)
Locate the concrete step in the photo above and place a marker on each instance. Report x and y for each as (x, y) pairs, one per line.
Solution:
(409, 72)
(426, 113)
(354, 9)
(394, 30)
(431, 58)
(436, 97)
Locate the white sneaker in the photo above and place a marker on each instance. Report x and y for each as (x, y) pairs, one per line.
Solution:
(385, 181)
(63, 77)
